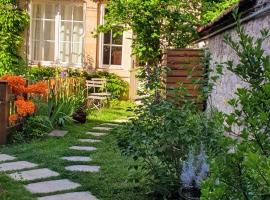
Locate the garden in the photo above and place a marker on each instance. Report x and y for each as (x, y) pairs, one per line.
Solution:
(173, 145)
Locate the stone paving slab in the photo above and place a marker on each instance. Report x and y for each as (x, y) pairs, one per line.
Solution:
(19, 165)
(89, 140)
(100, 128)
(83, 148)
(70, 196)
(83, 168)
(97, 134)
(58, 133)
(51, 186)
(77, 158)
(5, 157)
(110, 124)
(34, 174)
(121, 121)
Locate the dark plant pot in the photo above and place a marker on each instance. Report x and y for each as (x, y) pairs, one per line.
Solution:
(190, 193)
(80, 117)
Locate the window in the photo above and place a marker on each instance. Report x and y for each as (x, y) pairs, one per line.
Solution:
(111, 47)
(57, 33)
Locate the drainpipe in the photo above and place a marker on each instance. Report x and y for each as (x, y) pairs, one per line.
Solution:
(245, 19)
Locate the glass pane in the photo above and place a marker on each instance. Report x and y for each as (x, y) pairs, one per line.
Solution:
(49, 33)
(106, 55)
(117, 39)
(37, 29)
(78, 13)
(66, 12)
(77, 32)
(48, 51)
(37, 11)
(50, 11)
(116, 56)
(107, 38)
(77, 53)
(36, 51)
(64, 51)
(66, 31)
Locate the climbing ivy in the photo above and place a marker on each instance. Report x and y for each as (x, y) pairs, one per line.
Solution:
(13, 22)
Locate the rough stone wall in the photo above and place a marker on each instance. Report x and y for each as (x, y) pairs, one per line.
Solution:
(226, 86)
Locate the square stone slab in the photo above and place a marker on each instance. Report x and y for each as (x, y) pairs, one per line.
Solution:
(96, 134)
(82, 168)
(33, 174)
(77, 158)
(12, 166)
(121, 121)
(89, 140)
(5, 157)
(70, 196)
(83, 148)
(58, 133)
(100, 128)
(51, 186)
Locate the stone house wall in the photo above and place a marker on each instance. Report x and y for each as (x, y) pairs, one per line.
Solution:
(226, 86)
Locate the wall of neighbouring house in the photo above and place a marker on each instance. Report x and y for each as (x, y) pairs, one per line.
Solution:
(226, 86)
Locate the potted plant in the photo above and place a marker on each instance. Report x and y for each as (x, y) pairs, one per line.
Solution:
(194, 171)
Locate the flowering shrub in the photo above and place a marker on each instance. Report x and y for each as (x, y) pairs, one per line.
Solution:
(20, 88)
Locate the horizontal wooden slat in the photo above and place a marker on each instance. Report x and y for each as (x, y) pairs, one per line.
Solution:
(188, 86)
(183, 79)
(185, 73)
(184, 60)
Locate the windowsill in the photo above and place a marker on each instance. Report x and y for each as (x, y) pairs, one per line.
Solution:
(115, 67)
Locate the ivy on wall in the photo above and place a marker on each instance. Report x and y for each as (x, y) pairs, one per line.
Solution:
(13, 22)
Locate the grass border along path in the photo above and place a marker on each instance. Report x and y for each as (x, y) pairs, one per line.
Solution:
(107, 184)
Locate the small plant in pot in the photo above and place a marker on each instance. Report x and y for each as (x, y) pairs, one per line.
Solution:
(194, 171)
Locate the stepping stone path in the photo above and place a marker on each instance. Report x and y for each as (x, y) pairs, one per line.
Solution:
(70, 196)
(58, 133)
(27, 171)
(22, 172)
(77, 158)
(96, 134)
(34, 174)
(83, 148)
(89, 140)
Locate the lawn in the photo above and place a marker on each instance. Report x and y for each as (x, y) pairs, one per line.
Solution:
(110, 183)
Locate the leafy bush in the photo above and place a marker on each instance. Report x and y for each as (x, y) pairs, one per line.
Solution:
(242, 170)
(162, 134)
(35, 127)
(12, 23)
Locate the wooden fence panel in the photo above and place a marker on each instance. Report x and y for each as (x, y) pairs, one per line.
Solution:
(4, 111)
(184, 66)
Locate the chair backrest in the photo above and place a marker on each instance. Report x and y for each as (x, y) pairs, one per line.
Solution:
(94, 83)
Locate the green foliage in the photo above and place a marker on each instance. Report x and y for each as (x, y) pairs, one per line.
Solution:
(242, 170)
(12, 23)
(214, 8)
(161, 135)
(115, 85)
(35, 127)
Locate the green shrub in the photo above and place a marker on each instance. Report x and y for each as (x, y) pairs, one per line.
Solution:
(35, 127)
(162, 134)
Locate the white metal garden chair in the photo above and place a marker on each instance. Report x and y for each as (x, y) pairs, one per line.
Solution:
(97, 92)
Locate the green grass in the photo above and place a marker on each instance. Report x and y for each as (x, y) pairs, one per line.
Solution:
(108, 184)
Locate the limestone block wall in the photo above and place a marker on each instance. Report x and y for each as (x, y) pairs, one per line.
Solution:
(226, 86)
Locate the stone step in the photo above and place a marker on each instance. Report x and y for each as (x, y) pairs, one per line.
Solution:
(19, 165)
(83, 148)
(51, 186)
(83, 168)
(5, 157)
(96, 134)
(121, 121)
(100, 128)
(89, 140)
(70, 196)
(58, 133)
(34, 174)
(77, 158)
(110, 124)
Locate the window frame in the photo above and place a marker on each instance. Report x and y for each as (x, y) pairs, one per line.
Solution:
(57, 19)
(101, 45)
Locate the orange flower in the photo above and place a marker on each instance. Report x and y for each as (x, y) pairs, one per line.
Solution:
(13, 118)
(17, 83)
(25, 107)
(38, 88)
